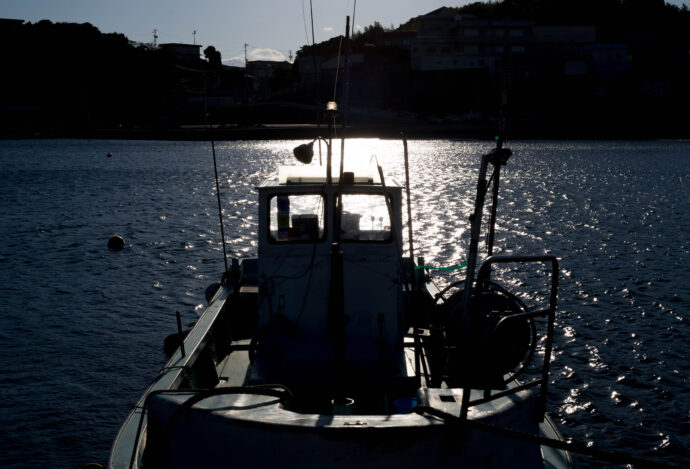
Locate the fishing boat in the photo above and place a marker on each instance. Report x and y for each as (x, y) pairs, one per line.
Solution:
(333, 349)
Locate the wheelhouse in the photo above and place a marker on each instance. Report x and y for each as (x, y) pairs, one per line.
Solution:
(301, 219)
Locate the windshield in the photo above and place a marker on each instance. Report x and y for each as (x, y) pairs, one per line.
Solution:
(365, 217)
(296, 217)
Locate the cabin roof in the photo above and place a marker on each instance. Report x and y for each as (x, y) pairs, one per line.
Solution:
(304, 175)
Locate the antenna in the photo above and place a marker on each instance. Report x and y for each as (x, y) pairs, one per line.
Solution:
(354, 9)
(194, 35)
(316, 73)
(155, 37)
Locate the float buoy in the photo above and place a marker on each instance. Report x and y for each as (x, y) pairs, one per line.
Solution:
(109, 155)
(116, 242)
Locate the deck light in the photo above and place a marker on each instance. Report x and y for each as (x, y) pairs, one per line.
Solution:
(305, 152)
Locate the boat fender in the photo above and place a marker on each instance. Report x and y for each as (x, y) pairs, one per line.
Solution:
(211, 291)
(116, 242)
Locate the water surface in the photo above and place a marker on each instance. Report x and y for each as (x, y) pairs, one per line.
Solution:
(82, 327)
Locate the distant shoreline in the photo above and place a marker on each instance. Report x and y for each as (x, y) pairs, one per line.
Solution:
(472, 131)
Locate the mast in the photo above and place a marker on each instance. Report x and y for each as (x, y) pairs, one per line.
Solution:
(346, 91)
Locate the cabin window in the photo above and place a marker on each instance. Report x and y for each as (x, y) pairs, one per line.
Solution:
(365, 217)
(296, 218)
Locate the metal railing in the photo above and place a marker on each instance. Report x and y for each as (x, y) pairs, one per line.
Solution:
(483, 282)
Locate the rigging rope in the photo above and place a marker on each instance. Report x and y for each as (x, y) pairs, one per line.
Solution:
(337, 69)
(304, 21)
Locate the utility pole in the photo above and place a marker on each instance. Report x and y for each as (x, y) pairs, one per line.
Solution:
(155, 37)
(290, 55)
(245, 54)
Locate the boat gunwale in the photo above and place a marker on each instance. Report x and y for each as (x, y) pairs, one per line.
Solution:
(168, 378)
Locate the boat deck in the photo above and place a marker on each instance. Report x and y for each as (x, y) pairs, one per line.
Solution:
(232, 370)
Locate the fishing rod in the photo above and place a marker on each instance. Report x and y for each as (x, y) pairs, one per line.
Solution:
(220, 211)
(500, 162)
(409, 210)
(497, 157)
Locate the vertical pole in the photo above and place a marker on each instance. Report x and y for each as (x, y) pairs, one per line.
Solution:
(345, 97)
(494, 205)
(179, 332)
(329, 151)
(476, 219)
(466, 318)
(205, 101)
(346, 89)
(316, 74)
(541, 404)
(413, 279)
(336, 319)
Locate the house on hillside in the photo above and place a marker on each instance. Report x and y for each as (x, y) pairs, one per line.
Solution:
(309, 69)
(399, 39)
(267, 76)
(564, 50)
(185, 54)
(448, 41)
(266, 69)
(7, 24)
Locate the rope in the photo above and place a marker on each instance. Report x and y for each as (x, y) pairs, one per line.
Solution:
(444, 269)
(604, 455)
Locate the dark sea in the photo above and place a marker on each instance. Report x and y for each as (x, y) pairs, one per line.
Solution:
(82, 327)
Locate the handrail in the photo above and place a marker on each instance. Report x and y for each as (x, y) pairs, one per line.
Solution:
(483, 282)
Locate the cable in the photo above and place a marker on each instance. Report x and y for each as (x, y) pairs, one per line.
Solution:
(337, 69)
(573, 447)
(304, 21)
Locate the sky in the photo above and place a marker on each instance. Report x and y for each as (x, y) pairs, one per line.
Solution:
(272, 29)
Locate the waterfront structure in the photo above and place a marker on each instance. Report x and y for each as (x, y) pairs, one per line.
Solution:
(183, 53)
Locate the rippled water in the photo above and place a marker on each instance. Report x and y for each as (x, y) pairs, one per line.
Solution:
(82, 327)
